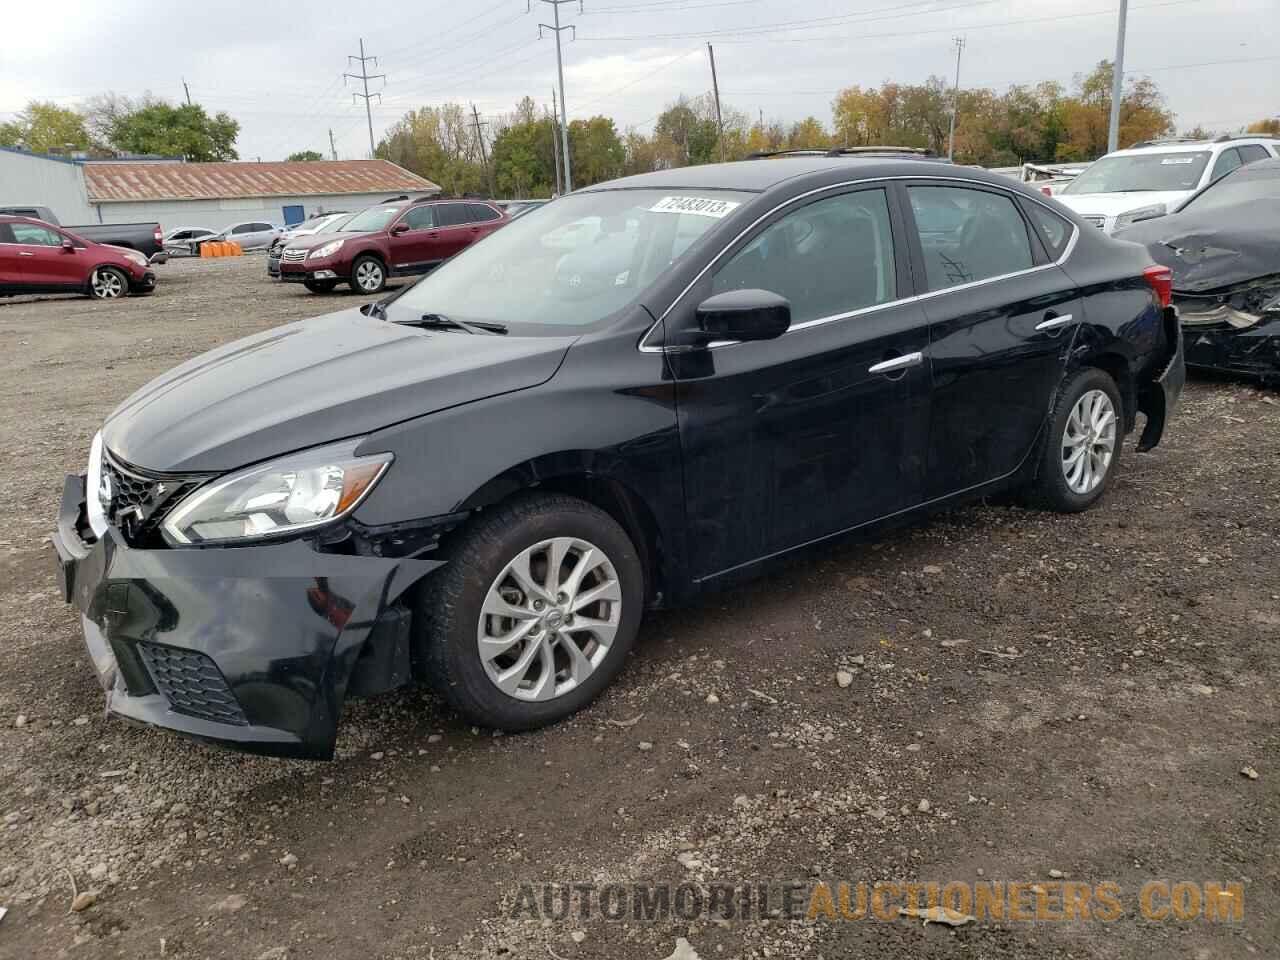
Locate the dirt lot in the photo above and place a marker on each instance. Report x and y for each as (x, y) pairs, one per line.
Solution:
(1028, 693)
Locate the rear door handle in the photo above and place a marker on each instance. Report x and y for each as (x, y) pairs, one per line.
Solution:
(1054, 322)
(894, 364)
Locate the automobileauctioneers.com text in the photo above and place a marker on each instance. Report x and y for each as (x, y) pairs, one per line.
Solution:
(1054, 900)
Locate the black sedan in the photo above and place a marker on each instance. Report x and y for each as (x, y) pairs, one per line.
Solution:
(646, 390)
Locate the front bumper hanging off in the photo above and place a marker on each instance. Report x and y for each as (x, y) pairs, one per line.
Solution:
(251, 646)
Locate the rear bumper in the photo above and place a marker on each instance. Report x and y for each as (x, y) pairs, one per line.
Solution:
(252, 647)
(1158, 396)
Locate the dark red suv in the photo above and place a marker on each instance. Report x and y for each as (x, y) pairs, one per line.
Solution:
(37, 257)
(389, 240)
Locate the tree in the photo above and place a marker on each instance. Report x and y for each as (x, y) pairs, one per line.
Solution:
(306, 155)
(808, 134)
(155, 126)
(690, 126)
(44, 127)
(1086, 115)
(1269, 126)
(437, 143)
(596, 151)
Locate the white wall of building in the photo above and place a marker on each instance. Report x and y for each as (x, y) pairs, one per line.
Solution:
(216, 214)
(40, 181)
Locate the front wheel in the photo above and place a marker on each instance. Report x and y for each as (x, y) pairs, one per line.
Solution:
(108, 283)
(534, 614)
(368, 275)
(1086, 435)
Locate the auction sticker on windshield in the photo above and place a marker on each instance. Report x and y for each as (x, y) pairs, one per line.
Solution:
(698, 206)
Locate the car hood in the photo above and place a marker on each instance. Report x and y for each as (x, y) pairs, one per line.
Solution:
(312, 382)
(312, 240)
(1215, 247)
(1114, 204)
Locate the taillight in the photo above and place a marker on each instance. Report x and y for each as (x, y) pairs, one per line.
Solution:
(157, 234)
(1161, 281)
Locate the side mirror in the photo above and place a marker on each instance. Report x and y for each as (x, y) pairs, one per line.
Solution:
(67, 245)
(399, 228)
(744, 315)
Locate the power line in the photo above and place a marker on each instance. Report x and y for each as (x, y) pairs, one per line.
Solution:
(364, 76)
(564, 115)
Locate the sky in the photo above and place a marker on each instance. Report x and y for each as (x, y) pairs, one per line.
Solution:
(277, 68)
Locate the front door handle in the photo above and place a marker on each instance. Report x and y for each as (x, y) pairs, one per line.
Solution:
(896, 364)
(1052, 321)
(24, 253)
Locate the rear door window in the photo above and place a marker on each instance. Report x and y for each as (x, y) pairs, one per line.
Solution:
(453, 214)
(968, 235)
(1250, 152)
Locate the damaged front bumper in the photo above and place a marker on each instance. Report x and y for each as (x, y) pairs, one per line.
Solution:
(255, 646)
(1236, 329)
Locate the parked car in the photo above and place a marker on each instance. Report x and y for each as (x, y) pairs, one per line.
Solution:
(1150, 179)
(307, 228)
(1223, 246)
(486, 478)
(146, 238)
(185, 241)
(251, 235)
(37, 257)
(392, 239)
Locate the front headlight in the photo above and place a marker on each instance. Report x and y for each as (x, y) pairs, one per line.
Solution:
(1130, 217)
(138, 258)
(290, 494)
(328, 250)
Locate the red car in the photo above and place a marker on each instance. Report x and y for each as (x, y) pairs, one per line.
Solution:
(36, 257)
(389, 240)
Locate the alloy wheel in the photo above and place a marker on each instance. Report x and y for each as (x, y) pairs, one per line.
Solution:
(549, 619)
(1089, 442)
(369, 276)
(107, 285)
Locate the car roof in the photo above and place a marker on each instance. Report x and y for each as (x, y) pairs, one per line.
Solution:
(1193, 146)
(757, 176)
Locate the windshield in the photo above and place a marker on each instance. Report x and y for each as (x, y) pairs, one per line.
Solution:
(572, 262)
(1245, 185)
(1140, 173)
(371, 220)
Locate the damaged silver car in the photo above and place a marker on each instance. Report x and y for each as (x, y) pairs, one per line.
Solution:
(1223, 246)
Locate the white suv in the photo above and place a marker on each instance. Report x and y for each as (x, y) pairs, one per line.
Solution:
(1154, 178)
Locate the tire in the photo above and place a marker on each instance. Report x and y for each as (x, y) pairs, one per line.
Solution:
(320, 286)
(450, 622)
(1074, 472)
(368, 275)
(108, 283)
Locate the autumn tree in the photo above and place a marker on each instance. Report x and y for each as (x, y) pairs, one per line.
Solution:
(45, 127)
(1086, 114)
(1269, 126)
(437, 143)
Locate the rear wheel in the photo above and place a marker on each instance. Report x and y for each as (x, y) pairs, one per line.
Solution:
(320, 286)
(1086, 435)
(533, 615)
(368, 275)
(108, 283)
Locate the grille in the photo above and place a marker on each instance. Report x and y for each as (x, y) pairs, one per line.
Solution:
(192, 684)
(293, 256)
(1097, 221)
(140, 503)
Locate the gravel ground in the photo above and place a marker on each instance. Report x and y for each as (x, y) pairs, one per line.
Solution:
(992, 695)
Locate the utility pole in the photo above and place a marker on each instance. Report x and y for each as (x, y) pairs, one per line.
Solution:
(555, 28)
(715, 86)
(186, 90)
(333, 147)
(365, 76)
(484, 160)
(1117, 82)
(555, 141)
(955, 100)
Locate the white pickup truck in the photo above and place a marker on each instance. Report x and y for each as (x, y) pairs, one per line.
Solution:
(1153, 178)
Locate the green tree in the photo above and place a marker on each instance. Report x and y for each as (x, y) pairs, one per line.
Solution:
(596, 151)
(306, 155)
(155, 126)
(44, 127)
(437, 143)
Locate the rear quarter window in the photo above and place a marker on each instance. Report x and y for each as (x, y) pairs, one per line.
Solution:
(1054, 231)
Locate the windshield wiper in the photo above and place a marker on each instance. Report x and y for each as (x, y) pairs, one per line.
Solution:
(438, 321)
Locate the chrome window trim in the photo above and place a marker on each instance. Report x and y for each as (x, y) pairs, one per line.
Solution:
(819, 321)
